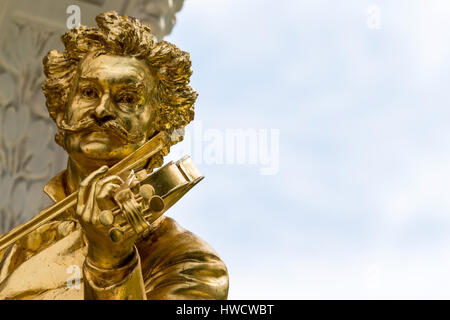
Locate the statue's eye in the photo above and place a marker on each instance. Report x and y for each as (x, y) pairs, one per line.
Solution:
(89, 93)
(128, 98)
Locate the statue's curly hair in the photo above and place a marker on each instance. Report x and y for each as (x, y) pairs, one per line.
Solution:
(125, 36)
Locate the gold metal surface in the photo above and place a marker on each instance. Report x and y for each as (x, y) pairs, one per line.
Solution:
(120, 99)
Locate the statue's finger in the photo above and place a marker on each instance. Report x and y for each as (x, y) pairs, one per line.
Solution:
(80, 202)
(89, 210)
(107, 191)
(84, 185)
(93, 176)
(80, 209)
(109, 179)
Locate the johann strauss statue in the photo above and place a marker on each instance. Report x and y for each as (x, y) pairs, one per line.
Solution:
(120, 99)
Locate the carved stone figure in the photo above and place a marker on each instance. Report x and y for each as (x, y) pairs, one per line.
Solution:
(119, 99)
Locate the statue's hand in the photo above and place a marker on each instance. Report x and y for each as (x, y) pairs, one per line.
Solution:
(96, 194)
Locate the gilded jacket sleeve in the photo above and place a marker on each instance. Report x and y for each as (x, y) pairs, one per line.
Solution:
(124, 283)
(179, 265)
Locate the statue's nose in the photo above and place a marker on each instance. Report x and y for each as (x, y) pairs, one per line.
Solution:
(102, 112)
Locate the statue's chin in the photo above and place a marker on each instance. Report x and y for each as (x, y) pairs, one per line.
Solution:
(105, 152)
(97, 147)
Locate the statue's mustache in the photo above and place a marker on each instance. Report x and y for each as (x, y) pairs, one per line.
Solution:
(112, 126)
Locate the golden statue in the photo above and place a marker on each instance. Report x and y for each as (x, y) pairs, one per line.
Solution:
(120, 99)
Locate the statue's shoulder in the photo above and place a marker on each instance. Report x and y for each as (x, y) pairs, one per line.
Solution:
(170, 236)
(177, 264)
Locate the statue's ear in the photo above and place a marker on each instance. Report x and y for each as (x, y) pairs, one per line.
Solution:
(58, 119)
(59, 137)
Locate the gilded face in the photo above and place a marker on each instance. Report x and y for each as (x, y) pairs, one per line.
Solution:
(113, 94)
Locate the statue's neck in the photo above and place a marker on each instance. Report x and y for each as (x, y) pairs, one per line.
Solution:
(74, 175)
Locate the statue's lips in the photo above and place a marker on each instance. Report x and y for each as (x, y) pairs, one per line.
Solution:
(99, 137)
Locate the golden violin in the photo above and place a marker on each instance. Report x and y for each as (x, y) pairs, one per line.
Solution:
(154, 194)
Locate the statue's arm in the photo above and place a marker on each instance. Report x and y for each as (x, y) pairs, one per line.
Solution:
(111, 270)
(178, 265)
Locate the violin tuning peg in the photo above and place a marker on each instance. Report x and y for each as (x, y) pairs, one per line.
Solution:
(106, 218)
(116, 235)
(156, 204)
(146, 191)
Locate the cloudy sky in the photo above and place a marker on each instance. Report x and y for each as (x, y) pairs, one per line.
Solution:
(355, 96)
